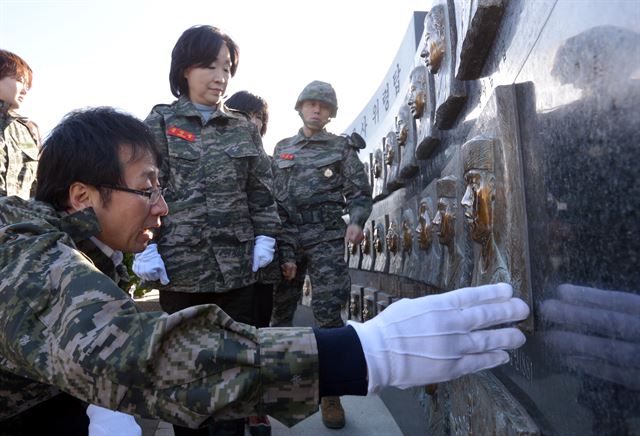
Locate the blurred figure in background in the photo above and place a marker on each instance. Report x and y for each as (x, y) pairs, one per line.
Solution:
(257, 109)
(19, 137)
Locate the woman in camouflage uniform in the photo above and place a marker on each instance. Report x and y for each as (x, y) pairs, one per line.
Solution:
(219, 190)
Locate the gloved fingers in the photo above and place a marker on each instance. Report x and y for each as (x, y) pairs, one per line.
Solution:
(458, 299)
(489, 340)
(455, 346)
(164, 278)
(468, 297)
(405, 321)
(487, 315)
(477, 362)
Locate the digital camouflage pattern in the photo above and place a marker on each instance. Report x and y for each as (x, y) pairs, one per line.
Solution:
(65, 325)
(220, 196)
(317, 180)
(19, 147)
(321, 91)
(327, 270)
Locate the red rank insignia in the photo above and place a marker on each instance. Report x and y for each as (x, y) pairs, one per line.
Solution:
(287, 156)
(174, 131)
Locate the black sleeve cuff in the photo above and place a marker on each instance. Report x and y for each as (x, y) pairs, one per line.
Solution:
(342, 366)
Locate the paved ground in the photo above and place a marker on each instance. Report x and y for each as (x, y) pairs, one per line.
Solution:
(366, 416)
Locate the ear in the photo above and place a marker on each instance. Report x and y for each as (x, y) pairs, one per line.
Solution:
(81, 196)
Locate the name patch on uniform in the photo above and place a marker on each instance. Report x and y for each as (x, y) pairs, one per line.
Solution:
(287, 156)
(174, 131)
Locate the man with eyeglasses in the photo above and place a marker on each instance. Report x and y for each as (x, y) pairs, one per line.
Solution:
(67, 327)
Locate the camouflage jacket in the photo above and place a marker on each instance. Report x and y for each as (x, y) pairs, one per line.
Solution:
(19, 147)
(319, 179)
(220, 196)
(66, 326)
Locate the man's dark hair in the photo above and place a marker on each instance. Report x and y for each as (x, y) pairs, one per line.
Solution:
(84, 148)
(12, 65)
(250, 104)
(198, 47)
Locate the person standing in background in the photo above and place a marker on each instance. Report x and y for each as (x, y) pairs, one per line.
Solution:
(19, 136)
(224, 220)
(323, 178)
(257, 109)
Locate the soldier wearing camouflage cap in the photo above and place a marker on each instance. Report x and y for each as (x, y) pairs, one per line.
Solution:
(319, 177)
(68, 327)
(19, 136)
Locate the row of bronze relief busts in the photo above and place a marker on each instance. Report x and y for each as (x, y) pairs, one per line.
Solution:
(443, 236)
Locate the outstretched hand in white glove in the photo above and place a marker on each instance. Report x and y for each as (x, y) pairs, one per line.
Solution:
(436, 338)
(263, 251)
(149, 266)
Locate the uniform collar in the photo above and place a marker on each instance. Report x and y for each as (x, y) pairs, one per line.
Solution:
(80, 225)
(185, 107)
(321, 136)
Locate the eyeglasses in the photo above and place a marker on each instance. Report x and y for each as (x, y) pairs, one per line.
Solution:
(152, 194)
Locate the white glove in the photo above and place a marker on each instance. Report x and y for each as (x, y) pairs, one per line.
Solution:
(105, 422)
(263, 251)
(149, 266)
(431, 339)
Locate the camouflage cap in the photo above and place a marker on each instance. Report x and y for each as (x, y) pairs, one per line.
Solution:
(321, 91)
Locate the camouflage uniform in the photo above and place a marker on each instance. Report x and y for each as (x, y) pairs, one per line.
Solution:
(317, 179)
(66, 326)
(19, 147)
(219, 194)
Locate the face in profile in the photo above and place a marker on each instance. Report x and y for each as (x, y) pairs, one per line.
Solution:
(478, 202)
(424, 228)
(388, 152)
(401, 131)
(434, 47)
(444, 220)
(416, 99)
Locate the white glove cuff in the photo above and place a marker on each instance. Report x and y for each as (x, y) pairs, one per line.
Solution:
(375, 354)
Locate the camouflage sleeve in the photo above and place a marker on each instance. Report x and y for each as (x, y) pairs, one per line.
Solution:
(288, 239)
(183, 368)
(356, 190)
(155, 123)
(260, 199)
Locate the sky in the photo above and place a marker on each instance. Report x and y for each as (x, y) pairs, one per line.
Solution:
(118, 53)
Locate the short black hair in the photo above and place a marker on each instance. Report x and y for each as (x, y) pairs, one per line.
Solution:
(250, 104)
(84, 147)
(198, 46)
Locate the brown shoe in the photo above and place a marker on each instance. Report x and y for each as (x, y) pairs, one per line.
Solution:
(332, 412)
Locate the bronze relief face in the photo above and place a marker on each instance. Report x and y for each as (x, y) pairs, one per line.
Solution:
(402, 131)
(407, 236)
(434, 47)
(424, 227)
(365, 244)
(388, 152)
(417, 98)
(392, 238)
(444, 221)
(478, 203)
(378, 235)
(377, 165)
